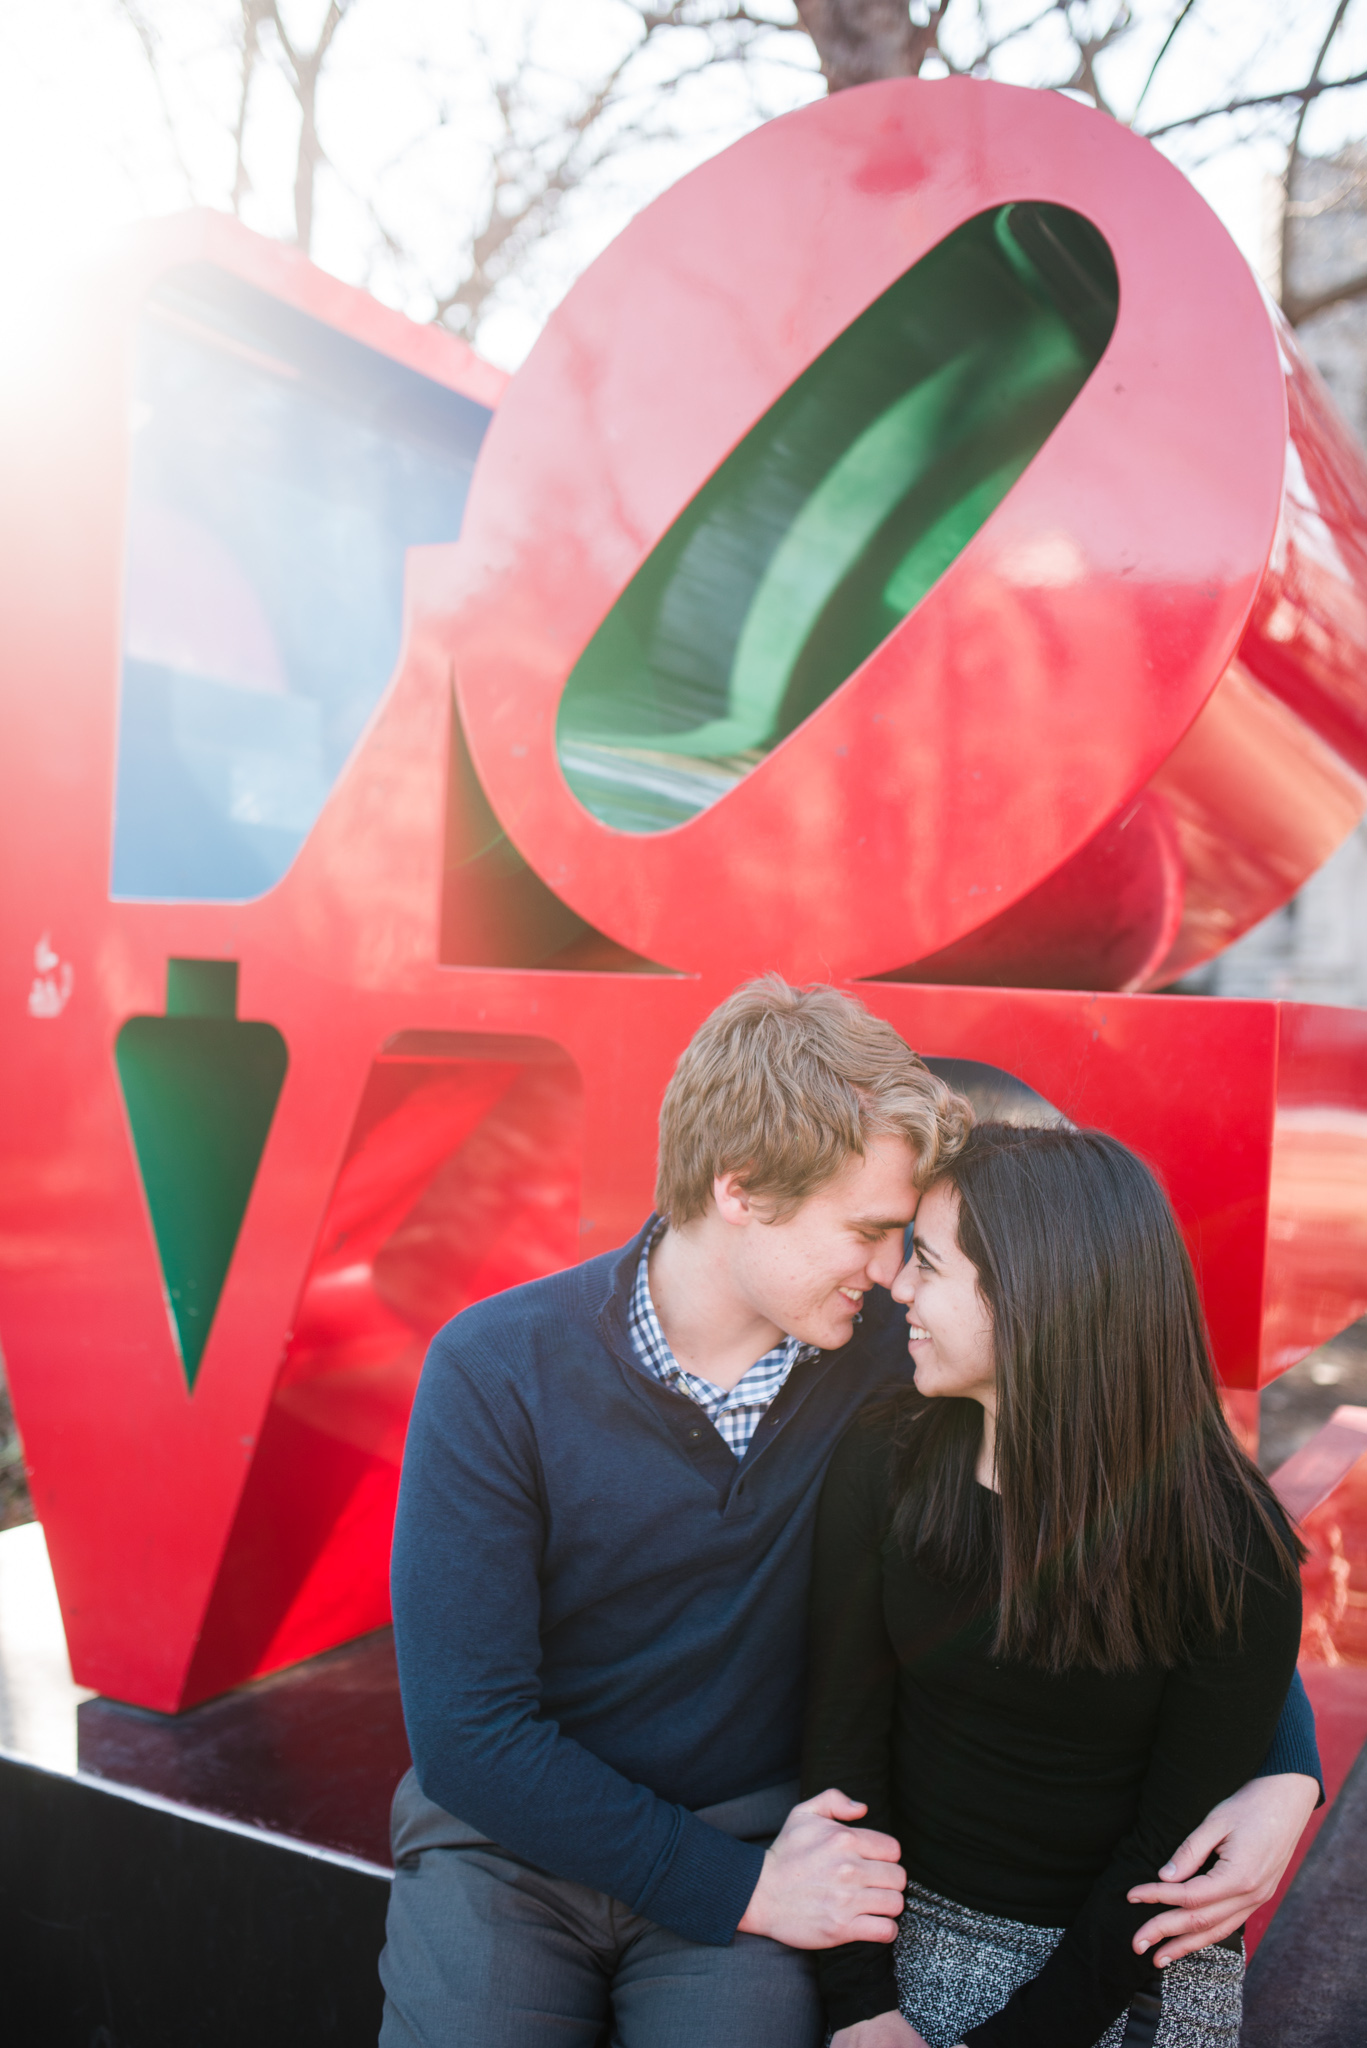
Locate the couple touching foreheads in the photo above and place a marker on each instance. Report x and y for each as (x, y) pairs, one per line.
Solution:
(808, 1632)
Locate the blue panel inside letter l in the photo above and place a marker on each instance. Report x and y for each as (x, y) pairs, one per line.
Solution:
(280, 470)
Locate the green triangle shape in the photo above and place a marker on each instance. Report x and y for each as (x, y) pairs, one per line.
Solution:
(200, 1089)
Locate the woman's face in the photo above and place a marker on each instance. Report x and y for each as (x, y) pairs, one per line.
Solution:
(950, 1323)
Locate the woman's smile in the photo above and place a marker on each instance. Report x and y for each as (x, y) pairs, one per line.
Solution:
(952, 1346)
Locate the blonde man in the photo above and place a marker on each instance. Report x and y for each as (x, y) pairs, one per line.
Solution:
(601, 1564)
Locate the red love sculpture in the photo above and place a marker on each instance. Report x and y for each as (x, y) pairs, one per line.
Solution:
(326, 1011)
(1012, 367)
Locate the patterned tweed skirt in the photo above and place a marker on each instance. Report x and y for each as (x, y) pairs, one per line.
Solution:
(955, 1968)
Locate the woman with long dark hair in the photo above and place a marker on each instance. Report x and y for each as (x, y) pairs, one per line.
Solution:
(1055, 1613)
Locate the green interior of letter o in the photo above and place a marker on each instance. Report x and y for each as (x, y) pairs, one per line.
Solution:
(834, 516)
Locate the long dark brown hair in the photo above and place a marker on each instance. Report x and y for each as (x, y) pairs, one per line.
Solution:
(1128, 1511)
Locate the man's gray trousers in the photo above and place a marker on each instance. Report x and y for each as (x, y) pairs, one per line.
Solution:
(484, 1951)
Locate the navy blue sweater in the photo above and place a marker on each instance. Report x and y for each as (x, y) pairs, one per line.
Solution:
(599, 1611)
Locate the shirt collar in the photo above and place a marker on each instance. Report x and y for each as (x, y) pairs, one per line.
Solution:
(653, 1350)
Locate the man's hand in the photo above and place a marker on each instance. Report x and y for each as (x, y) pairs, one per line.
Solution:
(889, 2030)
(824, 1882)
(1252, 1834)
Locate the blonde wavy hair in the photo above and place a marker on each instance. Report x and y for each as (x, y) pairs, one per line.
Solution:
(781, 1086)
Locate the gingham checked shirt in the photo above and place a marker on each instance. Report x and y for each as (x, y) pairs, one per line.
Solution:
(736, 1415)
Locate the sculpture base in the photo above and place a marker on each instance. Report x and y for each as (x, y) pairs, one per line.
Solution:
(128, 1919)
(216, 1877)
(313, 1752)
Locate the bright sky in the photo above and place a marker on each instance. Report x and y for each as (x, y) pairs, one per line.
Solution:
(85, 144)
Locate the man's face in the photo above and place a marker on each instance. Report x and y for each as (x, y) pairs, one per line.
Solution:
(809, 1274)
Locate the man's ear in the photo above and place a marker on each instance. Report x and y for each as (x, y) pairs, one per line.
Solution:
(734, 1202)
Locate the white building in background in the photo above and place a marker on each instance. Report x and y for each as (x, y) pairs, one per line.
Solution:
(1315, 950)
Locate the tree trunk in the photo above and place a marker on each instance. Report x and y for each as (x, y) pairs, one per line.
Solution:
(860, 40)
(305, 168)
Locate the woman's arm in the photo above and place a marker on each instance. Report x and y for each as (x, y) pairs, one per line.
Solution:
(1216, 1721)
(852, 1687)
(1252, 1836)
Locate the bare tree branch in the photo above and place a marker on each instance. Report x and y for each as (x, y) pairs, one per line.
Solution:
(253, 14)
(531, 176)
(1168, 42)
(553, 139)
(150, 41)
(1298, 310)
(1293, 150)
(304, 68)
(1306, 93)
(1089, 48)
(989, 45)
(1311, 209)
(1313, 81)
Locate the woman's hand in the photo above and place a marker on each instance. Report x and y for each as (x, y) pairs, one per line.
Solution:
(889, 2030)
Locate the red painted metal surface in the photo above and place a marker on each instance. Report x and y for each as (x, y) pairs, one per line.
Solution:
(1313, 1472)
(482, 989)
(1167, 610)
(1325, 1485)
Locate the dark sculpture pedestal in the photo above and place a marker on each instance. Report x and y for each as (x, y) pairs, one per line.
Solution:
(129, 1923)
(216, 1878)
(313, 1753)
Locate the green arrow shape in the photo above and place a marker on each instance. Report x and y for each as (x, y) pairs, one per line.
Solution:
(200, 1088)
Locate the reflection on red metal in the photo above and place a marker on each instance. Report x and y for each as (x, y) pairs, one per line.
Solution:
(1324, 1484)
(460, 1177)
(1313, 1472)
(475, 984)
(1330, 1476)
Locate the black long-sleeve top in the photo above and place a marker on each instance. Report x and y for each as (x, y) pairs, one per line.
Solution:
(1040, 1798)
